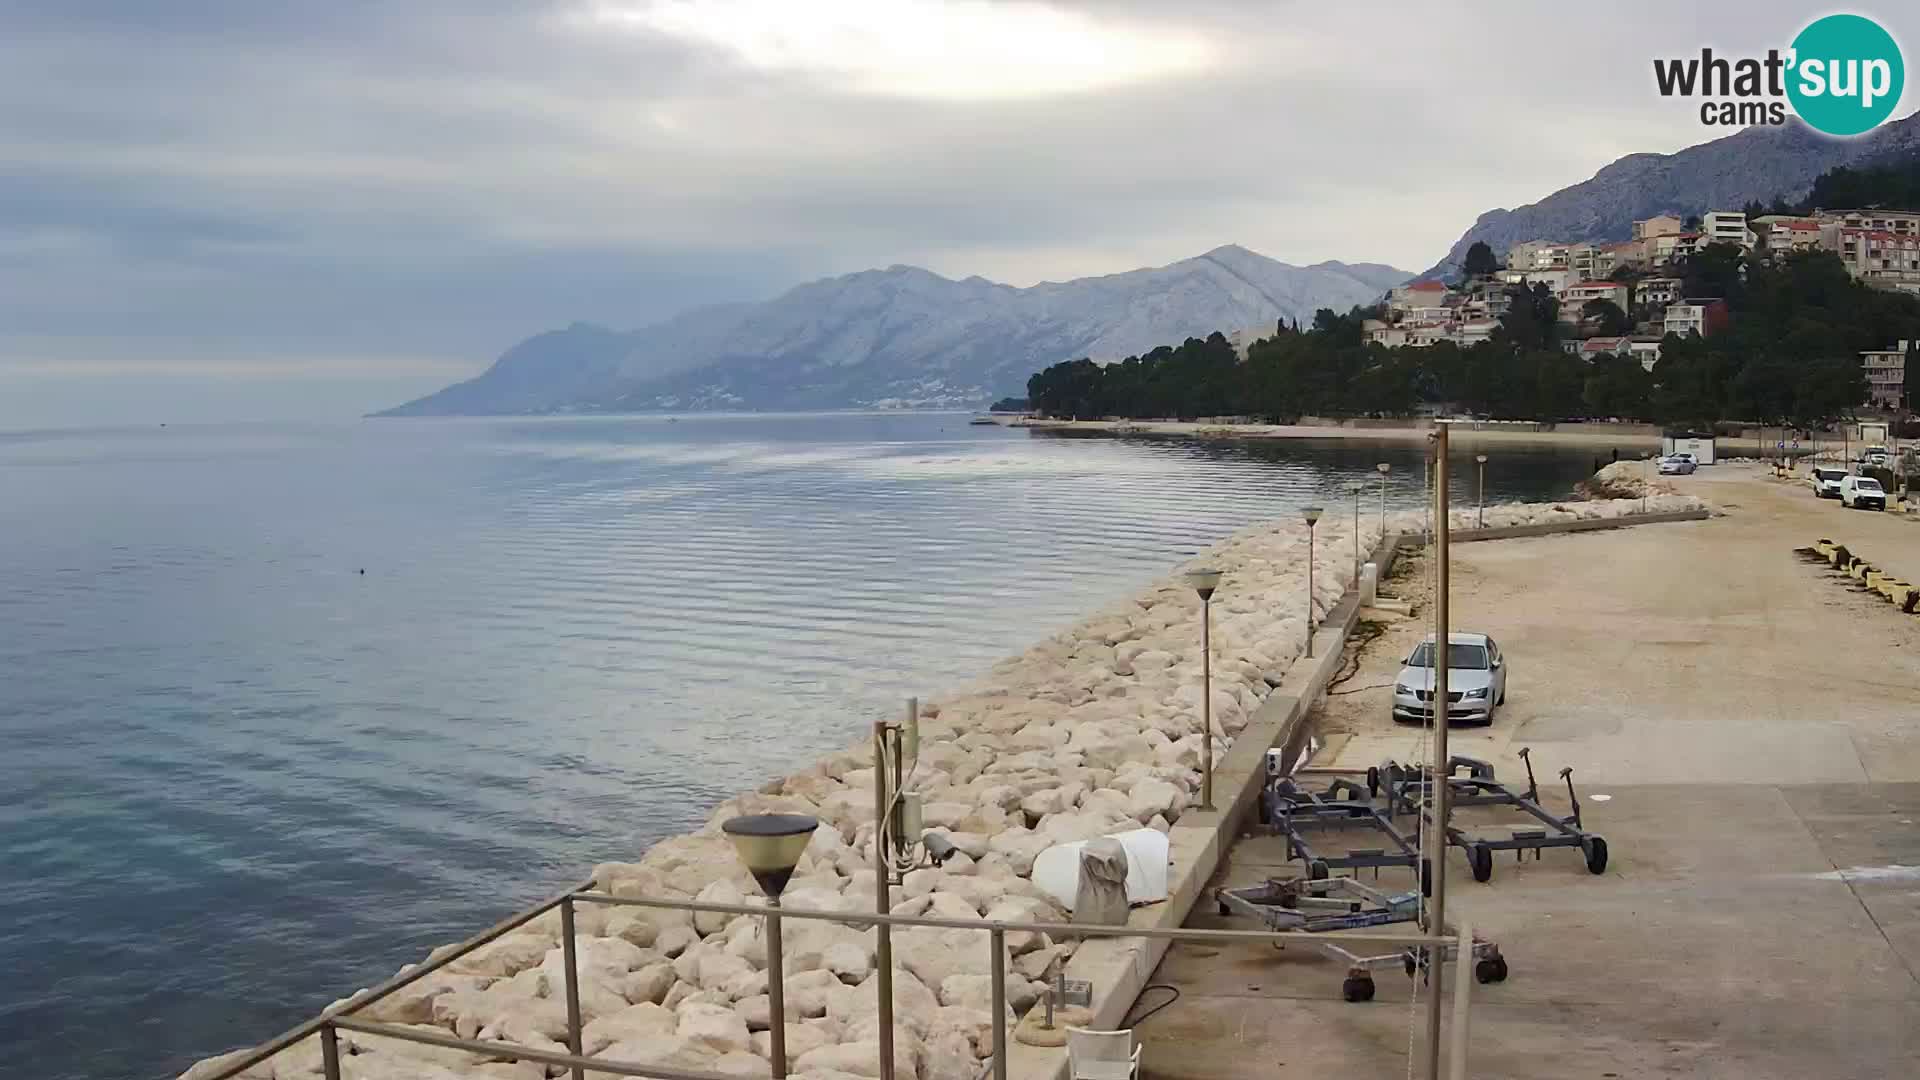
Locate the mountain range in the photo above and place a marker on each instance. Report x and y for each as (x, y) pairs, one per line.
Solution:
(1755, 163)
(902, 337)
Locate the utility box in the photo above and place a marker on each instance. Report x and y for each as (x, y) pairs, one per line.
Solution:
(1697, 443)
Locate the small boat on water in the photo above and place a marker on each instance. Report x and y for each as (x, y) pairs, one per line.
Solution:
(982, 420)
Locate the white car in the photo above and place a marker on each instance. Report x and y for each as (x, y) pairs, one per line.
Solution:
(1476, 681)
(1825, 481)
(1862, 493)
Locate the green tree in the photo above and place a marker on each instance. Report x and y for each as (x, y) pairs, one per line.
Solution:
(1479, 261)
(1617, 385)
(1605, 317)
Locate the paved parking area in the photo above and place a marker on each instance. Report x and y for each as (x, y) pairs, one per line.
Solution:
(1754, 726)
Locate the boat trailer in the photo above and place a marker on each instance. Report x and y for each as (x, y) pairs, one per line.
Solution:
(1321, 905)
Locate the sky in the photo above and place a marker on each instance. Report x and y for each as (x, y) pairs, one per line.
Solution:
(259, 210)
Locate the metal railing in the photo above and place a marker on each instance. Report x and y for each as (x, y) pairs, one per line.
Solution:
(341, 1017)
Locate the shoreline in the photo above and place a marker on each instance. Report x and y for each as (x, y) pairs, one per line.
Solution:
(1092, 730)
(1467, 433)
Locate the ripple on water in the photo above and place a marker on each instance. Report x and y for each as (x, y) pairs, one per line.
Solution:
(243, 778)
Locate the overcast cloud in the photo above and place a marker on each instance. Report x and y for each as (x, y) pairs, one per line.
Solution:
(243, 209)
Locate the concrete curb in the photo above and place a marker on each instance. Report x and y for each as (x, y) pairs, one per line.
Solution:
(1468, 536)
(1119, 968)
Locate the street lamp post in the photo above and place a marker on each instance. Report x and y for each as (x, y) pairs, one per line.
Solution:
(1481, 460)
(1646, 479)
(1354, 488)
(771, 845)
(1312, 514)
(1204, 582)
(1383, 468)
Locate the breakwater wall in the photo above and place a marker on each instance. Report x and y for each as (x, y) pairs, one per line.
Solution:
(1093, 730)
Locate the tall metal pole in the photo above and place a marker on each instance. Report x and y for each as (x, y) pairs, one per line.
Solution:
(1437, 826)
(776, 992)
(1382, 467)
(1309, 589)
(1206, 702)
(1356, 534)
(1481, 461)
(883, 900)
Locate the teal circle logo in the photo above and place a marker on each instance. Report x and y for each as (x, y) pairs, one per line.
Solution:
(1846, 74)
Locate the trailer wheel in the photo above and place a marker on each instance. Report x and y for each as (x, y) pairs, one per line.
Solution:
(1357, 988)
(1317, 870)
(1373, 781)
(1480, 859)
(1596, 855)
(1426, 878)
(1412, 965)
(1491, 969)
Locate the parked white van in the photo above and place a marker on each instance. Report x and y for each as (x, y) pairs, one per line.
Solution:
(1862, 492)
(1825, 481)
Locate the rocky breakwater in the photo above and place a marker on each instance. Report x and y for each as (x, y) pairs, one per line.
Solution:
(1094, 730)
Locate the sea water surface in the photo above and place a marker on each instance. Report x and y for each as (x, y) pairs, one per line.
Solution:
(283, 707)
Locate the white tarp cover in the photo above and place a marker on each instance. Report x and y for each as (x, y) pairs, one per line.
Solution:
(1101, 899)
(1057, 870)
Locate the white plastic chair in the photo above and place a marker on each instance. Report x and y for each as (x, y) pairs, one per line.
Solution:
(1102, 1055)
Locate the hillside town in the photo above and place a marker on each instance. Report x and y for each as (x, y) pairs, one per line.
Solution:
(1638, 282)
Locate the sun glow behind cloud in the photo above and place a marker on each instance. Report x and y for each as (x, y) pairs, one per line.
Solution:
(967, 50)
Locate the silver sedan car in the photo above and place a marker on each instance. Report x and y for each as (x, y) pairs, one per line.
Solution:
(1476, 681)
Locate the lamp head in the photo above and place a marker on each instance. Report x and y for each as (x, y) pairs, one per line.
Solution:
(1355, 487)
(1204, 582)
(1384, 468)
(770, 845)
(1311, 513)
(1481, 458)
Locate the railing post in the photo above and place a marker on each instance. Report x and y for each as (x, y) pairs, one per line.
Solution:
(776, 992)
(567, 950)
(329, 1052)
(999, 938)
(883, 901)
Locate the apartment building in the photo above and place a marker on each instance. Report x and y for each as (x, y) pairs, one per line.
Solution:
(1656, 291)
(1697, 315)
(1575, 297)
(1899, 222)
(1657, 225)
(1884, 260)
(1539, 255)
(1426, 293)
(1886, 372)
(1726, 227)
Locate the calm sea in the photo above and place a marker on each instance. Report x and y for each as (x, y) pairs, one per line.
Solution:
(282, 707)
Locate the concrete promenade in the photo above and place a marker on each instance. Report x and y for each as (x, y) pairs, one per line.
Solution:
(1753, 724)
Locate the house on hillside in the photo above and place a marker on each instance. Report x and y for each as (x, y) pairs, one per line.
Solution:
(1726, 227)
(1657, 225)
(1645, 350)
(1656, 292)
(1886, 371)
(1882, 259)
(1576, 297)
(1697, 315)
(1425, 293)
